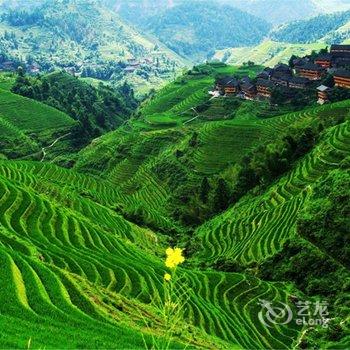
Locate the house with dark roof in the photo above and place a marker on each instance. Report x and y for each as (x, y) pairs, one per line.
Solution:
(298, 83)
(324, 60)
(340, 55)
(340, 49)
(297, 62)
(284, 68)
(227, 85)
(264, 87)
(281, 78)
(310, 71)
(248, 90)
(342, 78)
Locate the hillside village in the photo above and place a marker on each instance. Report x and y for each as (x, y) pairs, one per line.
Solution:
(319, 73)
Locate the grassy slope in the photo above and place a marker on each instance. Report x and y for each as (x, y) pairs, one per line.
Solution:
(268, 53)
(70, 262)
(26, 124)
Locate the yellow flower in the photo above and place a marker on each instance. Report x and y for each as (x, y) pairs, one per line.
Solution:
(167, 277)
(174, 257)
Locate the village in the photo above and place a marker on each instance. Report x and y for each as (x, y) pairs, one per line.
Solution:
(78, 69)
(302, 74)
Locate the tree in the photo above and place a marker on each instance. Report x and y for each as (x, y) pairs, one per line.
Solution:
(221, 196)
(291, 61)
(205, 189)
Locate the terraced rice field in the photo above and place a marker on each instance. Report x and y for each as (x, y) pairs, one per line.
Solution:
(227, 142)
(31, 116)
(257, 228)
(58, 244)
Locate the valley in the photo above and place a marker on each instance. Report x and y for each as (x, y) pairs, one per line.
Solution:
(83, 247)
(172, 180)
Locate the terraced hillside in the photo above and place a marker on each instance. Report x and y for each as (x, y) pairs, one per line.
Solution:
(176, 103)
(83, 248)
(26, 124)
(70, 260)
(256, 228)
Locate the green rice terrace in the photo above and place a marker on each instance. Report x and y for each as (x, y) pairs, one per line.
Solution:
(82, 248)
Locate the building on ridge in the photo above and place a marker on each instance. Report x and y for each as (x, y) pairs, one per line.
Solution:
(299, 83)
(264, 87)
(310, 71)
(324, 60)
(342, 78)
(227, 85)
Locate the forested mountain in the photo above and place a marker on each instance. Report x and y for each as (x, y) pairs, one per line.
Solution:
(63, 34)
(313, 29)
(276, 11)
(196, 29)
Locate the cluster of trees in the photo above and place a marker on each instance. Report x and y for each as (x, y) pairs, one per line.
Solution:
(97, 109)
(310, 30)
(18, 18)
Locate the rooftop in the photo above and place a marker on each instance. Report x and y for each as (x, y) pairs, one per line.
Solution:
(340, 47)
(323, 88)
(299, 80)
(342, 73)
(266, 83)
(311, 66)
(228, 81)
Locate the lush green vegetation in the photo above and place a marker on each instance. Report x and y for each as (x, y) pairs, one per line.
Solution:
(97, 110)
(258, 200)
(311, 30)
(64, 35)
(26, 124)
(196, 31)
(268, 53)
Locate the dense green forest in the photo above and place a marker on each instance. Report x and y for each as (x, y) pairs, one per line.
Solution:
(195, 31)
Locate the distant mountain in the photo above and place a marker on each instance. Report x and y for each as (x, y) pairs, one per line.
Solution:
(86, 37)
(268, 53)
(197, 29)
(314, 29)
(284, 11)
(276, 11)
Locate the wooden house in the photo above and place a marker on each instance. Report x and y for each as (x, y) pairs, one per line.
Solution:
(227, 85)
(264, 87)
(340, 55)
(322, 93)
(310, 71)
(298, 83)
(249, 90)
(324, 60)
(342, 78)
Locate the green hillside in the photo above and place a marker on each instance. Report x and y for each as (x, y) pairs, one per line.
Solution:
(268, 53)
(63, 35)
(195, 31)
(311, 30)
(94, 275)
(256, 195)
(26, 124)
